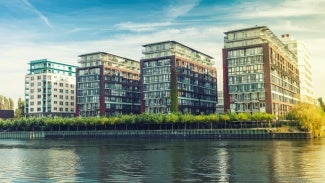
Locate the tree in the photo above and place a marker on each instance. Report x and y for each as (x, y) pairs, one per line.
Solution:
(321, 103)
(309, 117)
(1, 103)
(6, 103)
(11, 104)
(242, 117)
(19, 112)
(225, 117)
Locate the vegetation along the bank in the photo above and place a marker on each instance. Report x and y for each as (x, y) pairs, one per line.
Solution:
(303, 117)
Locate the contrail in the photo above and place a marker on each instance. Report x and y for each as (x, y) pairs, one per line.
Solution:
(41, 16)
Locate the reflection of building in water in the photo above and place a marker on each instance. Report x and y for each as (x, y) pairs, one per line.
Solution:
(297, 161)
(200, 161)
(50, 162)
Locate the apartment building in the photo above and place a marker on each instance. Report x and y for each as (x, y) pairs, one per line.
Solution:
(177, 78)
(107, 85)
(260, 72)
(301, 51)
(220, 103)
(50, 89)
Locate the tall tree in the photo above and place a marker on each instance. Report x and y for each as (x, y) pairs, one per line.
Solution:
(5, 103)
(310, 117)
(19, 112)
(11, 104)
(1, 103)
(321, 103)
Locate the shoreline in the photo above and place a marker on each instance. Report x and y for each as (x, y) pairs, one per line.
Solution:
(248, 133)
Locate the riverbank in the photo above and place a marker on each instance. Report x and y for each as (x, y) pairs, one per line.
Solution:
(253, 133)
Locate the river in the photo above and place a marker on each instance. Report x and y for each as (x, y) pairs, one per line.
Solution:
(112, 160)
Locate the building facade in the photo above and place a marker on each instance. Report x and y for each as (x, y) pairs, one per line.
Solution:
(305, 76)
(50, 89)
(259, 72)
(177, 78)
(107, 85)
(220, 104)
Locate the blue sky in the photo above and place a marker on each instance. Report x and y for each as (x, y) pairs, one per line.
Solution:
(60, 30)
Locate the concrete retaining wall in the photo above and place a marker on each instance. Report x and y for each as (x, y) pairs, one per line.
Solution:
(173, 134)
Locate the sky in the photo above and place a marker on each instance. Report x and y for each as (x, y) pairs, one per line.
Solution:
(60, 30)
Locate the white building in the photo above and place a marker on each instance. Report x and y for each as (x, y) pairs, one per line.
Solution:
(305, 76)
(50, 89)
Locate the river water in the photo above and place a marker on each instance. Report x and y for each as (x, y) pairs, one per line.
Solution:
(111, 160)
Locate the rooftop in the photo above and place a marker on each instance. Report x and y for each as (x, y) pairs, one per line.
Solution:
(101, 52)
(175, 42)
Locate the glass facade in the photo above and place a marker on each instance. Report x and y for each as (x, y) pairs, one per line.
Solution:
(156, 76)
(197, 89)
(107, 85)
(122, 92)
(88, 91)
(261, 74)
(246, 79)
(172, 69)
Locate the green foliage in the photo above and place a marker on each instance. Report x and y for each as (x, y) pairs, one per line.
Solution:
(321, 103)
(6, 103)
(174, 92)
(212, 118)
(185, 118)
(233, 116)
(225, 117)
(172, 118)
(257, 116)
(310, 118)
(243, 117)
(199, 118)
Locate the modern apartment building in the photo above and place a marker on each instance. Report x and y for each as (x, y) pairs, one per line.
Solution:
(107, 85)
(260, 72)
(305, 76)
(50, 89)
(220, 103)
(177, 78)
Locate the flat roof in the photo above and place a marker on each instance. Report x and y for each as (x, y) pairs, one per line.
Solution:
(245, 29)
(175, 42)
(46, 60)
(101, 52)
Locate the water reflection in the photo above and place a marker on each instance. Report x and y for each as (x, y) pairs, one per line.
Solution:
(103, 160)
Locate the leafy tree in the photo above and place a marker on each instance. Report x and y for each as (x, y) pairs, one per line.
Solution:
(225, 117)
(6, 103)
(310, 117)
(242, 117)
(19, 112)
(257, 116)
(11, 104)
(174, 92)
(321, 103)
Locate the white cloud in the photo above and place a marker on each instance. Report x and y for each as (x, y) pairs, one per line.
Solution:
(179, 8)
(141, 27)
(288, 8)
(17, 55)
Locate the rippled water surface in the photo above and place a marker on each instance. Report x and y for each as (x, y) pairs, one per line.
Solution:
(111, 160)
